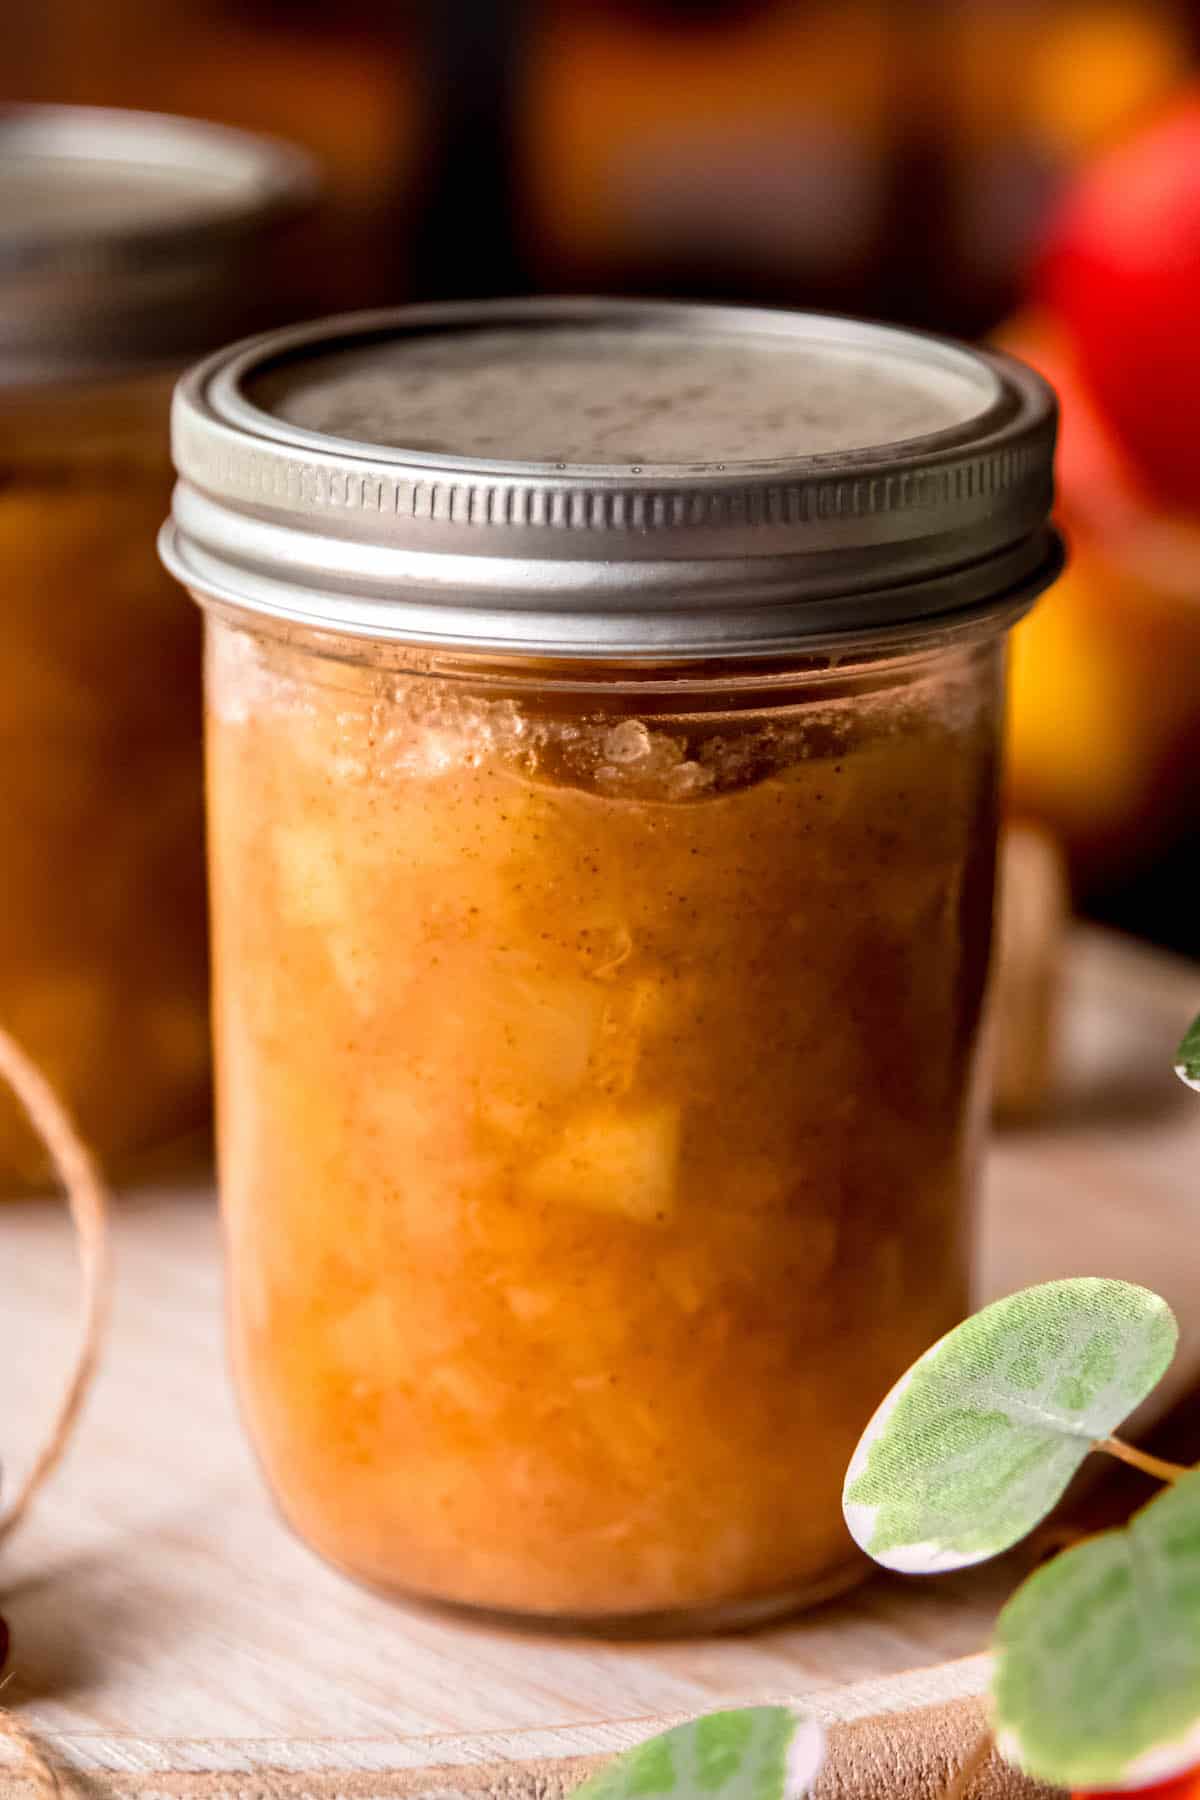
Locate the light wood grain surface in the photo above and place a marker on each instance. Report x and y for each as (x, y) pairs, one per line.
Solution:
(166, 1625)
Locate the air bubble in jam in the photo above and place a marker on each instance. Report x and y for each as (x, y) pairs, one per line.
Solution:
(637, 761)
(599, 1102)
(628, 742)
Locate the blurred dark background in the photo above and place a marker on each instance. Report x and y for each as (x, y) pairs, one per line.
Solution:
(884, 156)
(898, 158)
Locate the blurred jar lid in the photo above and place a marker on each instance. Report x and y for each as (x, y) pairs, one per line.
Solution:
(132, 238)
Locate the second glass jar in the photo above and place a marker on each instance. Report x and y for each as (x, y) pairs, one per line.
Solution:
(128, 242)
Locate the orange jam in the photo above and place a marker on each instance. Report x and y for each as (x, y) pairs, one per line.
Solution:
(103, 968)
(128, 242)
(597, 1086)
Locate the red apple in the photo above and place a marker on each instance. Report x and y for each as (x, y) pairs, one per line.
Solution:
(1183, 1787)
(1098, 487)
(1121, 270)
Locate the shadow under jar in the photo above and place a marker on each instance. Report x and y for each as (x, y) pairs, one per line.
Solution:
(128, 243)
(603, 712)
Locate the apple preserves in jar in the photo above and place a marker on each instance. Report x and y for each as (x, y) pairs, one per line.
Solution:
(102, 937)
(124, 247)
(597, 1108)
(598, 1010)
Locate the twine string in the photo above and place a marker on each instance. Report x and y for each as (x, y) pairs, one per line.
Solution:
(87, 1201)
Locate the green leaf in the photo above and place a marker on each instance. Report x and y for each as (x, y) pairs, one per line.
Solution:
(975, 1445)
(1187, 1057)
(1097, 1675)
(756, 1753)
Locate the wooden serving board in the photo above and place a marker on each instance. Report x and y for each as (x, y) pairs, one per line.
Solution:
(170, 1638)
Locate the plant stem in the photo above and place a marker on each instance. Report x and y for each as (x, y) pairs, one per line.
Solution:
(1141, 1459)
(969, 1768)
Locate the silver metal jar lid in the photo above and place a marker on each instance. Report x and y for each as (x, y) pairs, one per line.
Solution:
(131, 238)
(594, 478)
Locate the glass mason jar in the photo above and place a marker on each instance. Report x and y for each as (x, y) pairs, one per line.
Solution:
(125, 241)
(603, 711)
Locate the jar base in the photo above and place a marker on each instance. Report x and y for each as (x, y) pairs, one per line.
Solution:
(712, 1620)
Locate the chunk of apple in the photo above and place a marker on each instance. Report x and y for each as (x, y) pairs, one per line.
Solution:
(622, 1162)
